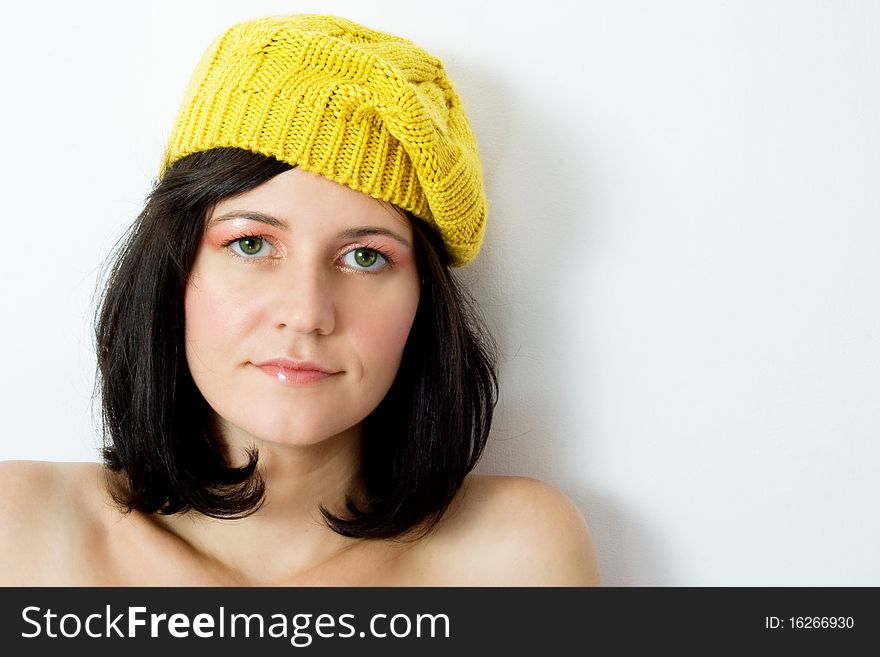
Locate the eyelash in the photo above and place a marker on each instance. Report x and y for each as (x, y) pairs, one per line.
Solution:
(362, 272)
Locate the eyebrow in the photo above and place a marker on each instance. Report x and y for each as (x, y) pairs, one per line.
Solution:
(275, 222)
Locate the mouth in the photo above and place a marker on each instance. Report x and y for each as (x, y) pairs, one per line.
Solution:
(291, 372)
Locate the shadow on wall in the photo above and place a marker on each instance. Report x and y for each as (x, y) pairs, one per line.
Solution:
(541, 232)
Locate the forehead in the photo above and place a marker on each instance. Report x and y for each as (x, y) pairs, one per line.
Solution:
(303, 200)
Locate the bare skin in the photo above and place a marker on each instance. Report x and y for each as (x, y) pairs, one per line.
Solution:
(58, 527)
(277, 276)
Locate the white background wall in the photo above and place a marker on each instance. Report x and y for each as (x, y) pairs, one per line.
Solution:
(681, 263)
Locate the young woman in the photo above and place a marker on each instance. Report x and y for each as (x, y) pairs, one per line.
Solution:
(295, 390)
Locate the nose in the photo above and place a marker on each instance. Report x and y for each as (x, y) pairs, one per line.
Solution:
(306, 303)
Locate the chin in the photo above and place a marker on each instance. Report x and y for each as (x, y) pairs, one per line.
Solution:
(301, 434)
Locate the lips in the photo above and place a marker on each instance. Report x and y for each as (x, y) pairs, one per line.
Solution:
(295, 365)
(292, 372)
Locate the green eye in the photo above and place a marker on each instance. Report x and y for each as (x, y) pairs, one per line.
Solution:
(365, 260)
(250, 245)
(366, 257)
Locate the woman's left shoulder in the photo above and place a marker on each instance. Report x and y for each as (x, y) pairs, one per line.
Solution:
(514, 531)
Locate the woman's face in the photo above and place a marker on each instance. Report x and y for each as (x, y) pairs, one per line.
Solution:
(299, 269)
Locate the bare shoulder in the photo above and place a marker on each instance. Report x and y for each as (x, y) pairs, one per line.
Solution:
(514, 531)
(43, 505)
(30, 491)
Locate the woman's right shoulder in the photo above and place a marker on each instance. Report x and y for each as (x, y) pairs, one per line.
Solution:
(45, 507)
(30, 491)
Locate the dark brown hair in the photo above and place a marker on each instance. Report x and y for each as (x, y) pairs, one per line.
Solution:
(421, 441)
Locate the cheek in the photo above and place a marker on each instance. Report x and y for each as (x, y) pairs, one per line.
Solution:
(382, 332)
(213, 317)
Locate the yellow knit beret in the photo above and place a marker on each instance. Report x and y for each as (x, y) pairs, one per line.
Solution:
(369, 110)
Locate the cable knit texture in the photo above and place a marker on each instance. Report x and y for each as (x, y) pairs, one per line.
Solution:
(369, 110)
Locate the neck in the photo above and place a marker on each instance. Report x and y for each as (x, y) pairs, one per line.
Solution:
(299, 479)
(287, 535)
